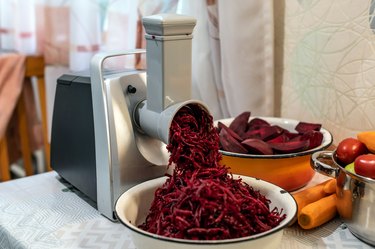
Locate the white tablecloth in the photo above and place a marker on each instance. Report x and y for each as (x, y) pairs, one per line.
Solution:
(43, 211)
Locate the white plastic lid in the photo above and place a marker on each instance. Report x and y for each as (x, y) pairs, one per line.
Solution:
(169, 24)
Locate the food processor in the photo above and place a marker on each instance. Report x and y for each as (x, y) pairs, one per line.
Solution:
(110, 128)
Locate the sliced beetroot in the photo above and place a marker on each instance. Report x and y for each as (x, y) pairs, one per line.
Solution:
(271, 132)
(220, 125)
(306, 135)
(229, 143)
(297, 138)
(251, 134)
(255, 122)
(280, 129)
(239, 123)
(257, 146)
(303, 127)
(279, 139)
(290, 146)
(232, 133)
(315, 138)
(264, 133)
(291, 135)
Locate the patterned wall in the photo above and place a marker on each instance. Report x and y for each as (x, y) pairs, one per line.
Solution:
(329, 64)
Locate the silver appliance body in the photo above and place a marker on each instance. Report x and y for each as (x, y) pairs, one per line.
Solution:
(124, 155)
(131, 113)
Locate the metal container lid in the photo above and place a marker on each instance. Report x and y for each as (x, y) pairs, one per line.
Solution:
(169, 24)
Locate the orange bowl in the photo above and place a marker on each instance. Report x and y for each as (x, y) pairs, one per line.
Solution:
(289, 171)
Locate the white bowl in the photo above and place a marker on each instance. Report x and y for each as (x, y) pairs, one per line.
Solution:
(132, 208)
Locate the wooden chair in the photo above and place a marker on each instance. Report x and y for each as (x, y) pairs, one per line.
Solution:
(34, 67)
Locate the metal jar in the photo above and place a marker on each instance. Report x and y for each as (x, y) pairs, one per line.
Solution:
(355, 195)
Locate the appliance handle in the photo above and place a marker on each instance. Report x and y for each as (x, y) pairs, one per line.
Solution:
(101, 129)
(98, 93)
(98, 59)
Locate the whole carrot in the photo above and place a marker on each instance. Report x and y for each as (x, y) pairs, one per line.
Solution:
(330, 187)
(309, 195)
(318, 213)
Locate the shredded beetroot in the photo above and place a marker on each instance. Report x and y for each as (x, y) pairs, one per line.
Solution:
(201, 200)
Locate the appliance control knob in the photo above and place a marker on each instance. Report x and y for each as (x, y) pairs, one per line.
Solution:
(132, 89)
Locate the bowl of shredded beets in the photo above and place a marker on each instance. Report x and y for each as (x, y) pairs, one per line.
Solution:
(274, 149)
(206, 215)
(201, 203)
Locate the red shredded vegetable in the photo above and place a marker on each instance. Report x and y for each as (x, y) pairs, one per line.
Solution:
(201, 200)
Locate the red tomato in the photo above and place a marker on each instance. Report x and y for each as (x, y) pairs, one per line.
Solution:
(364, 165)
(349, 149)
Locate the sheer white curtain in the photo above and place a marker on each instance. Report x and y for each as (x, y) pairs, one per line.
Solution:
(17, 30)
(232, 45)
(233, 51)
(233, 55)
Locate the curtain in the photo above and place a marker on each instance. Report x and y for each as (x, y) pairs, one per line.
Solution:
(232, 50)
(17, 30)
(233, 55)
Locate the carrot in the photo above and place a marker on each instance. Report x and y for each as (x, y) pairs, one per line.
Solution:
(345, 204)
(318, 213)
(309, 195)
(330, 187)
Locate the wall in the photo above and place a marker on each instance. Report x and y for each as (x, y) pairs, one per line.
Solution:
(325, 64)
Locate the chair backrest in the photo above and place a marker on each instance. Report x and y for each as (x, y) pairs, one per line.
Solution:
(34, 67)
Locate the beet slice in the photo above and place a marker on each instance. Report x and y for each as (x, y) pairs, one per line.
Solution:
(272, 132)
(315, 138)
(232, 133)
(291, 135)
(290, 146)
(239, 123)
(303, 127)
(256, 122)
(251, 134)
(257, 146)
(264, 133)
(229, 143)
(279, 139)
(298, 138)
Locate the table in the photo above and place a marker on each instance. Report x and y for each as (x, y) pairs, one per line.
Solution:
(44, 211)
